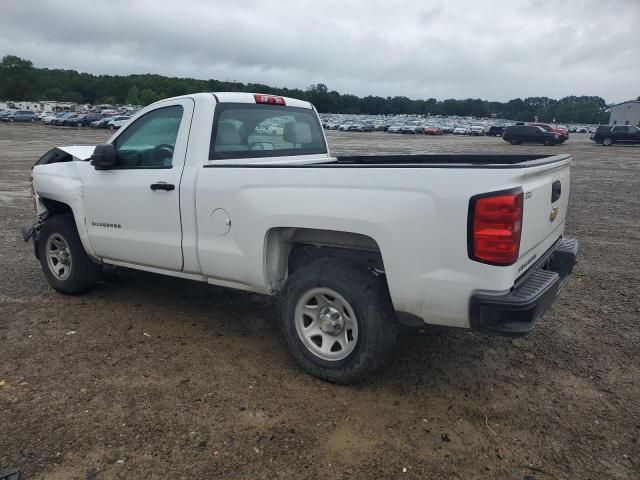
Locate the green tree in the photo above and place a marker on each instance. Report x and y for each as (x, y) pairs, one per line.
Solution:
(20, 80)
(72, 97)
(54, 93)
(148, 96)
(17, 79)
(133, 96)
(107, 100)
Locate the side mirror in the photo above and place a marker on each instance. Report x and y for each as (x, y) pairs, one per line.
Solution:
(104, 156)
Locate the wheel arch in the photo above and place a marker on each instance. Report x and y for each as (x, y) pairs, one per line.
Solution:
(57, 207)
(286, 248)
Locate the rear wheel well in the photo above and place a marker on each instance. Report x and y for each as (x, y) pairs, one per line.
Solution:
(287, 248)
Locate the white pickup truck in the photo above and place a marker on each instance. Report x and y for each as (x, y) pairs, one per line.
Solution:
(196, 187)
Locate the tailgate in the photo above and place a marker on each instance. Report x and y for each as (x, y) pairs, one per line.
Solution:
(546, 199)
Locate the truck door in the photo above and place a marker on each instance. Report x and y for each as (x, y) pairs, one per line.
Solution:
(133, 210)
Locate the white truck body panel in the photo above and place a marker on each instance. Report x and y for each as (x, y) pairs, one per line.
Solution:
(416, 214)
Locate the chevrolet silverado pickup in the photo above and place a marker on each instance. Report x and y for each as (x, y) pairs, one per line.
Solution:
(198, 187)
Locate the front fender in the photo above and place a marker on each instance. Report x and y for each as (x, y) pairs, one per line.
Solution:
(62, 183)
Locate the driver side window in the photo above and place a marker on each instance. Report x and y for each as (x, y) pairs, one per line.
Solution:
(149, 142)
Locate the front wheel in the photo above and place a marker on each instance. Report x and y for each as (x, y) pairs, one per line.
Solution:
(607, 142)
(338, 320)
(63, 259)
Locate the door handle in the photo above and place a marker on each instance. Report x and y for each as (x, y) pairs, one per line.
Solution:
(163, 186)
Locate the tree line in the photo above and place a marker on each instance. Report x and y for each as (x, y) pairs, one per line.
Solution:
(20, 80)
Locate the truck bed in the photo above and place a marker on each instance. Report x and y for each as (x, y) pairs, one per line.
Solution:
(398, 161)
(487, 161)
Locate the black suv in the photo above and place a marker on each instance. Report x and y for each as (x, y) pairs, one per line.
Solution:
(517, 134)
(495, 130)
(608, 134)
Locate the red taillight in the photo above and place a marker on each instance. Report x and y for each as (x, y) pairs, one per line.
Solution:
(269, 99)
(495, 228)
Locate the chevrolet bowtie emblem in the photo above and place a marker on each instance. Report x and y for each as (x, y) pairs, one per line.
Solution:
(554, 214)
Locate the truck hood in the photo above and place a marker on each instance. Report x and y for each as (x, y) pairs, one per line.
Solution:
(80, 152)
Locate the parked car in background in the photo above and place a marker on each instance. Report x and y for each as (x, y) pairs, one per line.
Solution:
(50, 119)
(460, 131)
(431, 130)
(412, 127)
(21, 116)
(395, 128)
(83, 119)
(495, 130)
(519, 134)
(117, 122)
(345, 126)
(60, 119)
(561, 131)
(103, 122)
(476, 130)
(6, 113)
(608, 135)
(356, 127)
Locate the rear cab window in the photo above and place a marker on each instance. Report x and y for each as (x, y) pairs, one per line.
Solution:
(245, 130)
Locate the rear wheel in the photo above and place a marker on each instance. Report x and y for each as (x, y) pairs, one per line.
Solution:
(338, 320)
(514, 141)
(63, 259)
(607, 141)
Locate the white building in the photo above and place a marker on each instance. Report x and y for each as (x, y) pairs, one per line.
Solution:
(42, 106)
(625, 113)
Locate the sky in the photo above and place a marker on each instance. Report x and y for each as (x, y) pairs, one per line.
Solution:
(494, 50)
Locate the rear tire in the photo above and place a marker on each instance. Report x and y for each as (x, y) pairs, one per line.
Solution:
(337, 320)
(65, 263)
(607, 141)
(514, 141)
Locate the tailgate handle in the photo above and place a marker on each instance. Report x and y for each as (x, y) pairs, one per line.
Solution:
(556, 191)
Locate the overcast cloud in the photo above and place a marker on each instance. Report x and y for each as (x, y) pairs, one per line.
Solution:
(495, 50)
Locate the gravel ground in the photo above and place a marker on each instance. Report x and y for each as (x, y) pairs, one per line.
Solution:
(153, 377)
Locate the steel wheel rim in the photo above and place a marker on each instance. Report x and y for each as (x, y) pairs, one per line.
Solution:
(58, 256)
(326, 324)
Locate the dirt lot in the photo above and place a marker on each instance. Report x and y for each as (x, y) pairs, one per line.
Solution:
(154, 377)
